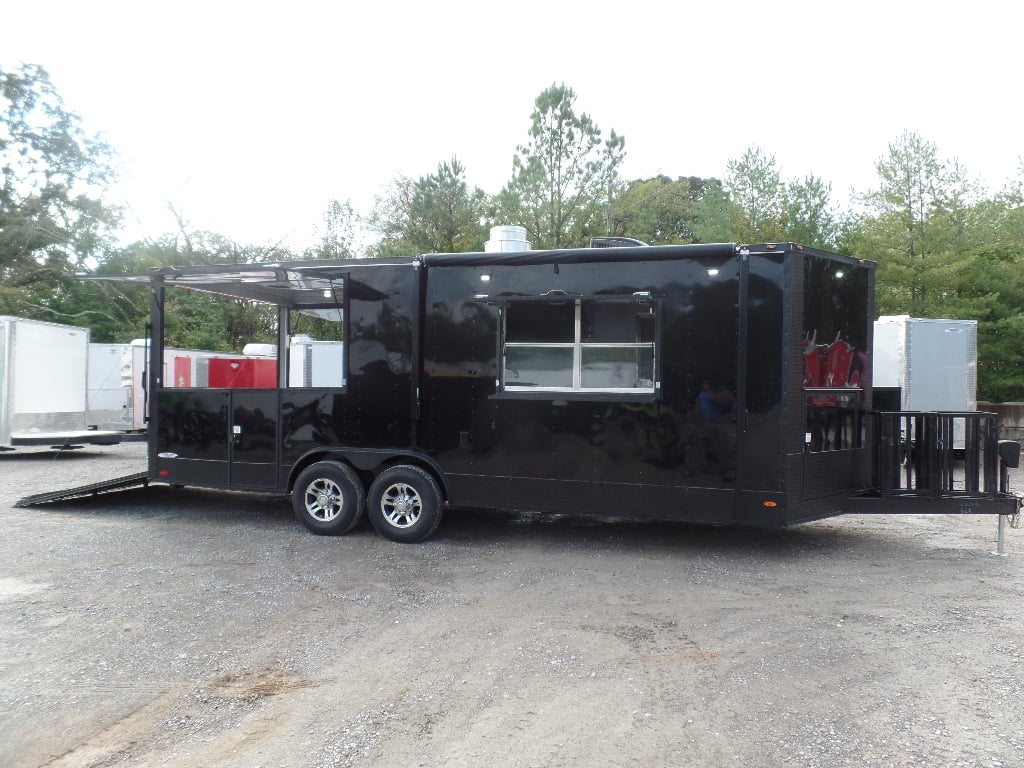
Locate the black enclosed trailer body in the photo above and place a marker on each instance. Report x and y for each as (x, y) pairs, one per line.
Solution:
(715, 384)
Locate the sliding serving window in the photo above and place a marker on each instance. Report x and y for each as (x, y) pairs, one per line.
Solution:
(579, 346)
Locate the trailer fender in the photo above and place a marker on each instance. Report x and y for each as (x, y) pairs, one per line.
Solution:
(370, 461)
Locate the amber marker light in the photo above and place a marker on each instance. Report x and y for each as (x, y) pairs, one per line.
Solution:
(769, 504)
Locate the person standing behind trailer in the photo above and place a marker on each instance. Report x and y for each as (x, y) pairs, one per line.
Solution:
(713, 436)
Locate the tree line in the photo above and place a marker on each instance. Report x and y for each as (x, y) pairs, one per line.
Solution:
(944, 246)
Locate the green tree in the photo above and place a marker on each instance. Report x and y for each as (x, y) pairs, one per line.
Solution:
(437, 213)
(52, 218)
(194, 320)
(444, 214)
(658, 211)
(201, 321)
(755, 188)
(564, 177)
(119, 311)
(915, 228)
(715, 216)
(945, 251)
(390, 219)
(810, 218)
(993, 291)
(338, 238)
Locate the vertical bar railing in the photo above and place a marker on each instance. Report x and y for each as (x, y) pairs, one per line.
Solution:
(938, 454)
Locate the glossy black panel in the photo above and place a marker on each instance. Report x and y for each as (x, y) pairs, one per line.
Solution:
(657, 440)
(254, 438)
(192, 437)
(835, 305)
(194, 423)
(762, 449)
(375, 410)
(835, 354)
(619, 500)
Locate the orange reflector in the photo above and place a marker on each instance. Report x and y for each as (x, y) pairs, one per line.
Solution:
(769, 504)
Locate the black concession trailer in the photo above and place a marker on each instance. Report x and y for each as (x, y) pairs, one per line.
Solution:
(718, 384)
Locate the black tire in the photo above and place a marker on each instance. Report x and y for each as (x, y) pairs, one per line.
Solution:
(405, 503)
(328, 498)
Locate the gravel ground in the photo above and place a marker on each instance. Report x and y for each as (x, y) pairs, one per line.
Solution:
(164, 627)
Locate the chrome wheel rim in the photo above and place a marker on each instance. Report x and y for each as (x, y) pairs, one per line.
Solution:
(401, 505)
(324, 500)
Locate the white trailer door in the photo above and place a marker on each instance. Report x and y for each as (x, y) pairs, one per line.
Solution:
(50, 369)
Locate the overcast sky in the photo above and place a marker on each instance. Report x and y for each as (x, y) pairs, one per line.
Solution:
(250, 117)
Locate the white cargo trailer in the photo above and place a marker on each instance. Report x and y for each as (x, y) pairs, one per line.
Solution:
(926, 365)
(110, 386)
(929, 364)
(316, 363)
(117, 384)
(43, 385)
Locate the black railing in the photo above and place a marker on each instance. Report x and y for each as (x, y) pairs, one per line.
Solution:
(938, 454)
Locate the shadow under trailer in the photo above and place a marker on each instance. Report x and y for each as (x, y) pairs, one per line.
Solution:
(714, 384)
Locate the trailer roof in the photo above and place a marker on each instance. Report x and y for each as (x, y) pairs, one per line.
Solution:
(318, 284)
(586, 255)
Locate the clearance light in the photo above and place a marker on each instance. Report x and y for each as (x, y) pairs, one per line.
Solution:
(769, 504)
(164, 472)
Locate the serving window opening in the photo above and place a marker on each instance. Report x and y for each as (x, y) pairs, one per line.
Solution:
(239, 349)
(579, 345)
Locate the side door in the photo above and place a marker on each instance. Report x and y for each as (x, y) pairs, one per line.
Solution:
(192, 438)
(219, 438)
(253, 439)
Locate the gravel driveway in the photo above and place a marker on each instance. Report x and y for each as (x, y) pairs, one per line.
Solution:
(166, 627)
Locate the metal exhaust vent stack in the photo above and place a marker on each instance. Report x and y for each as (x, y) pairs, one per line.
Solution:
(507, 240)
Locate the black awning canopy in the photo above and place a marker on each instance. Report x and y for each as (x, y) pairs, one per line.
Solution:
(296, 285)
(267, 283)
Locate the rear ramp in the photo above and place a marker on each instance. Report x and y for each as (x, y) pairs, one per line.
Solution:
(140, 479)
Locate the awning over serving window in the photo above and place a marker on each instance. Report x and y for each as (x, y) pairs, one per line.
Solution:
(299, 285)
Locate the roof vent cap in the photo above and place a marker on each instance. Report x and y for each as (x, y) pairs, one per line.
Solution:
(507, 239)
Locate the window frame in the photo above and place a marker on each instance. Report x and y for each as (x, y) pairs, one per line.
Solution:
(336, 311)
(578, 347)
